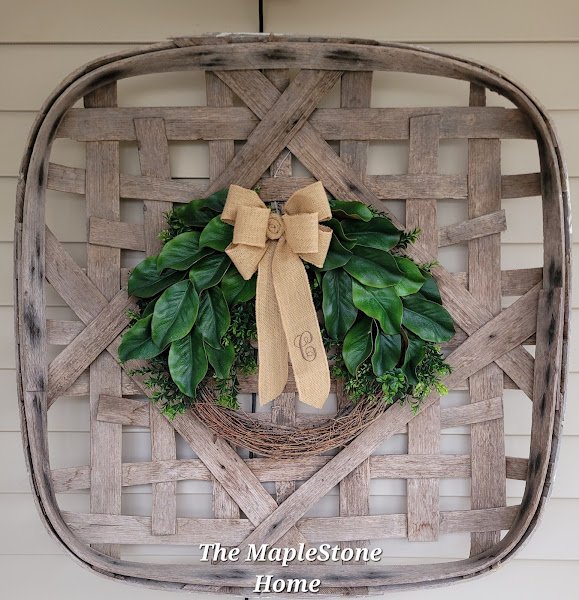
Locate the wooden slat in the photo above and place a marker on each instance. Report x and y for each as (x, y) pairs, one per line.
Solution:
(514, 282)
(346, 123)
(478, 227)
(61, 333)
(356, 93)
(133, 412)
(287, 115)
(136, 530)
(488, 488)
(116, 234)
(103, 268)
(87, 346)
(221, 153)
(154, 161)
(384, 187)
(424, 431)
(395, 466)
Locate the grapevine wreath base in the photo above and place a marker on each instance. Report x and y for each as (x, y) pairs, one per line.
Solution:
(247, 430)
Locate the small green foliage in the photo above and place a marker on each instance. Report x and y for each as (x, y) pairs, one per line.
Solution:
(381, 314)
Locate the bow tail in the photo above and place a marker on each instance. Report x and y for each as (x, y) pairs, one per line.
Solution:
(300, 324)
(273, 350)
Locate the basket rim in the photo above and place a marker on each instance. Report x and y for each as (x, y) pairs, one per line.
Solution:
(32, 173)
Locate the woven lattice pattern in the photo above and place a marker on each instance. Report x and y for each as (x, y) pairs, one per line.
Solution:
(276, 115)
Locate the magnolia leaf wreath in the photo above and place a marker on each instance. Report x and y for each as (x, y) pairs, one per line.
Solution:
(380, 314)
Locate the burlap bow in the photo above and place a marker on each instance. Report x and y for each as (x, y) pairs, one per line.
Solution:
(275, 246)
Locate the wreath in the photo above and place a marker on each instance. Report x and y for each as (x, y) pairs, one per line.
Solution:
(380, 314)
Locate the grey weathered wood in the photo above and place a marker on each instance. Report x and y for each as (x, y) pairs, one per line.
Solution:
(356, 93)
(288, 114)
(87, 346)
(424, 431)
(397, 466)
(136, 530)
(384, 187)
(472, 229)
(103, 268)
(221, 153)
(105, 232)
(237, 123)
(154, 161)
(484, 282)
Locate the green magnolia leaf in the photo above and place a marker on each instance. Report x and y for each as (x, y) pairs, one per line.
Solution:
(216, 235)
(428, 320)
(209, 271)
(351, 209)
(357, 345)
(337, 255)
(236, 289)
(221, 359)
(336, 227)
(198, 213)
(175, 313)
(430, 290)
(214, 317)
(382, 304)
(372, 267)
(181, 252)
(377, 233)
(188, 362)
(137, 342)
(412, 279)
(145, 281)
(387, 349)
(337, 304)
(415, 350)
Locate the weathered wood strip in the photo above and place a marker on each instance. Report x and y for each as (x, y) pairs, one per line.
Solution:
(346, 123)
(478, 227)
(136, 530)
(484, 282)
(384, 187)
(71, 282)
(547, 388)
(221, 153)
(396, 466)
(133, 412)
(424, 431)
(87, 346)
(356, 94)
(103, 268)
(507, 330)
(288, 114)
(116, 234)
(154, 162)
(60, 332)
(514, 282)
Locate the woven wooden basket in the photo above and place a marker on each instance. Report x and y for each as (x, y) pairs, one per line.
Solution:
(255, 96)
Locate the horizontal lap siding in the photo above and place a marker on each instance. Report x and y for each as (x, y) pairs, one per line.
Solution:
(538, 47)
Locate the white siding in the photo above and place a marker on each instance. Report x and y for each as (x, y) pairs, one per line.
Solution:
(536, 42)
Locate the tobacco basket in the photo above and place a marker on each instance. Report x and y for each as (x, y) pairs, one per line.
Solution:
(511, 324)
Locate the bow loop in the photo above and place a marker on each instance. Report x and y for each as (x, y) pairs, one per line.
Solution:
(286, 318)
